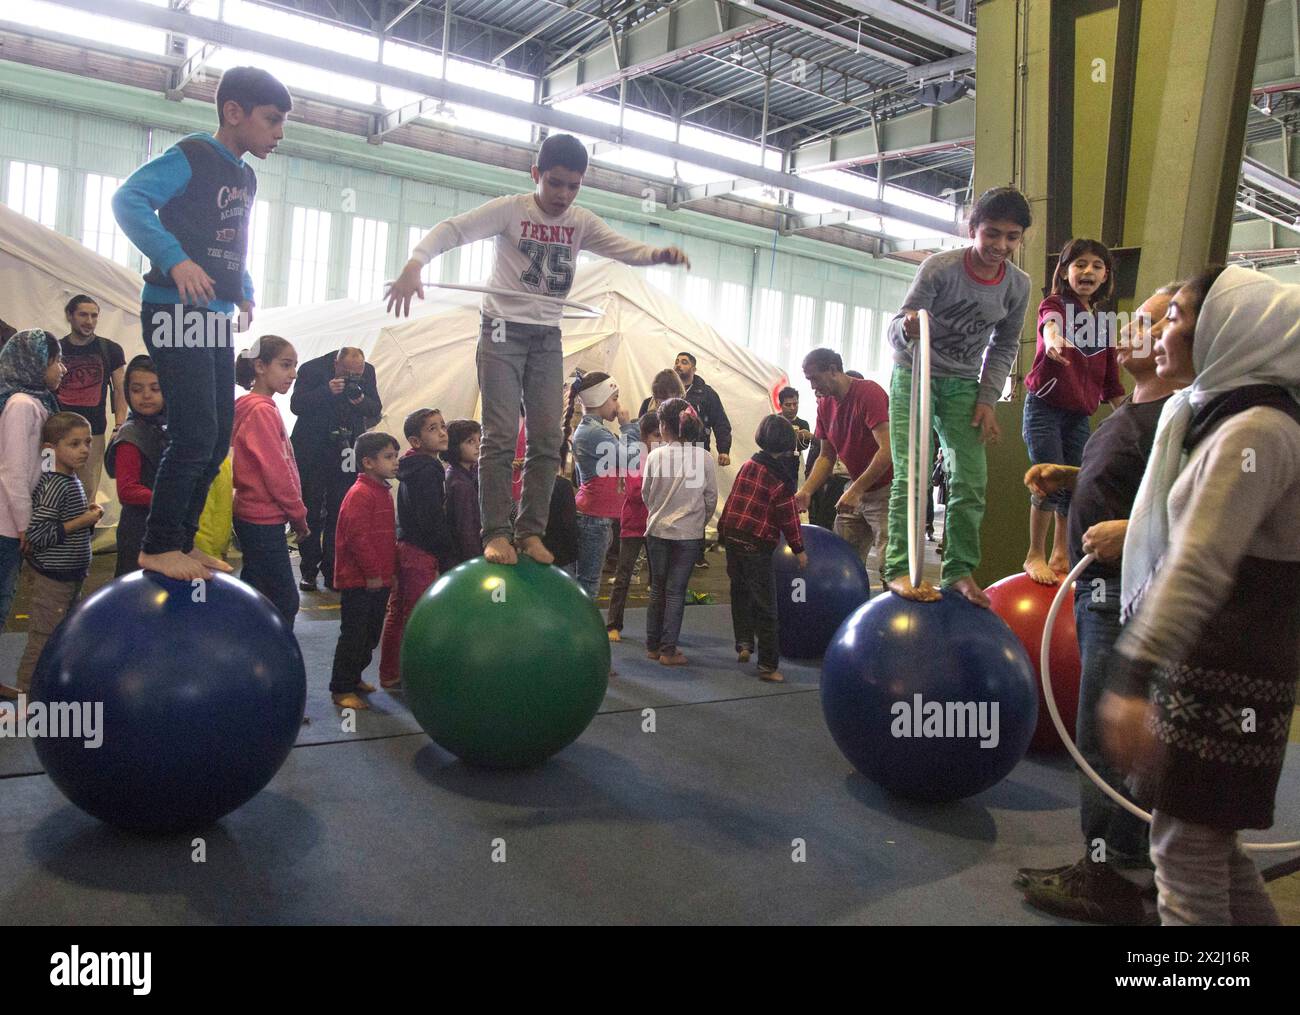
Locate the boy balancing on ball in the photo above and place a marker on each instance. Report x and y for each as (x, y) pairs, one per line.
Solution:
(188, 212)
(538, 237)
(976, 300)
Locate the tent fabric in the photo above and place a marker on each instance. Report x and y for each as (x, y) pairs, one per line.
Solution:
(428, 359)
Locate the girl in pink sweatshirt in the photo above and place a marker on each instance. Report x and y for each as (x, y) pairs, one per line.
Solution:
(268, 492)
(31, 370)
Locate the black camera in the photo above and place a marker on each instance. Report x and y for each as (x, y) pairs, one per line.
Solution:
(352, 389)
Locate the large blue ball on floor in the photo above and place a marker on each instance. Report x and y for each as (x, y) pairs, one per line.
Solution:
(812, 602)
(931, 701)
(202, 690)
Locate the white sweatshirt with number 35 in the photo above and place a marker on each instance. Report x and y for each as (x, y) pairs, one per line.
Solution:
(535, 252)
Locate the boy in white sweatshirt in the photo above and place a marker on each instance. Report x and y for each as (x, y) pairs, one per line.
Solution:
(538, 237)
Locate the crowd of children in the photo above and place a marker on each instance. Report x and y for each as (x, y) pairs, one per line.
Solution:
(657, 480)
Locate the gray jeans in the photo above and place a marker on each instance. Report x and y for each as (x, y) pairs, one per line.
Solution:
(1204, 878)
(867, 529)
(518, 359)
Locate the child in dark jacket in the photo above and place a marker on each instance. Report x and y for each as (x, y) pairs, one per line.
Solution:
(463, 522)
(365, 561)
(423, 540)
(758, 512)
(58, 535)
(132, 458)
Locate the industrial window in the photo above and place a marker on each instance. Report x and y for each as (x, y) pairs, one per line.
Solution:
(367, 270)
(34, 191)
(309, 251)
(99, 230)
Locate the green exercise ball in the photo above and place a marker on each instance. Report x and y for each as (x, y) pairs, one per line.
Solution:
(504, 666)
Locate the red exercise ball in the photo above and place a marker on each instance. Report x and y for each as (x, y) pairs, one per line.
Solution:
(1023, 603)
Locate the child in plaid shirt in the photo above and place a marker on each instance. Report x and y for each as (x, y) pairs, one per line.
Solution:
(758, 512)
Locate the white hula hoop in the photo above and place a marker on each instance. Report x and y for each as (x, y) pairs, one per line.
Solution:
(919, 444)
(1045, 667)
(585, 310)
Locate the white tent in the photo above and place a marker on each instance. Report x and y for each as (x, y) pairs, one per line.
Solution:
(428, 359)
(40, 270)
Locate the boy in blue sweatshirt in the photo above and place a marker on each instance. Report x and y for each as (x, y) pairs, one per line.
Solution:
(188, 212)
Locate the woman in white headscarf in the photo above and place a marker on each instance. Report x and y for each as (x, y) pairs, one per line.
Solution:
(1204, 675)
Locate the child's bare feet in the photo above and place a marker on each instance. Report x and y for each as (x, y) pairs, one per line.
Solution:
(350, 701)
(499, 551)
(174, 564)
(365, 688)
(967, 587)
(652, 653)
(1059, 563)
(8, 693)
(923, 593)
(209, 561)
(535, 548)
(742, 655)
(1037, 568)
(675, 658)
(614, 635)
(771, 676)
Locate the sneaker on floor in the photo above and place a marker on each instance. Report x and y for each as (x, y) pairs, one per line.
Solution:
(702, 563)
(1027, 876)
(308, 585)
(1094, 893)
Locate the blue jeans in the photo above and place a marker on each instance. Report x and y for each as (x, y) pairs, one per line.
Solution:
(199, 386)
(1125, 836)
(593, 543)
(11, 559)
(266, 566)
(671, 561)
(1054, 437)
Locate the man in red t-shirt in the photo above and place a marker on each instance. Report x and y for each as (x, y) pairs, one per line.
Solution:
(852, 425)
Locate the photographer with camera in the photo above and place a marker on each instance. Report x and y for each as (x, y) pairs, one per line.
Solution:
(336, 399)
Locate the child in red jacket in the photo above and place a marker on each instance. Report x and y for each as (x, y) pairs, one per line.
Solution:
(365, 561)
(268, 492)
(758, 512)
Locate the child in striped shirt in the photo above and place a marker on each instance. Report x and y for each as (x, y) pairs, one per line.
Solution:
(58, 535)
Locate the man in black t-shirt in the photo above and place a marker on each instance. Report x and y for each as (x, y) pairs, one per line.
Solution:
(94, 364)
(1111, 882)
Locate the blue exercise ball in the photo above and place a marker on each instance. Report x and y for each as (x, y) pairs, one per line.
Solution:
(812, 602)
(930, 701)
(202, 688)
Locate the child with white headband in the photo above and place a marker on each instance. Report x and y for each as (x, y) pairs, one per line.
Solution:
(602, 461)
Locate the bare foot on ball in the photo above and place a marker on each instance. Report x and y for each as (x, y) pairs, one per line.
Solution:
(1038, 569)
(923, 593)
(1061, 564)
(499, 551)
(209, 561)
(174, 564)
(967, 587)
(533, 546)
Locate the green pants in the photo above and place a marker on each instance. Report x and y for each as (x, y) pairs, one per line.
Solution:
(952, 403)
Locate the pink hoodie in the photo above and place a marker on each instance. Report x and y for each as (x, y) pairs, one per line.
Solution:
(20, 462)
(267, 488)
